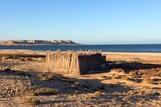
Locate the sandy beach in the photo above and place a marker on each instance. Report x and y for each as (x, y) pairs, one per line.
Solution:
(80, 53)
(127, 79)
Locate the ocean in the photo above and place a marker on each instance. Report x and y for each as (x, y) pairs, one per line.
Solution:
(108, 48)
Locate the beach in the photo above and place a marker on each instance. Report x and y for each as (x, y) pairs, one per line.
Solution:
(126, 79)
(80, 53)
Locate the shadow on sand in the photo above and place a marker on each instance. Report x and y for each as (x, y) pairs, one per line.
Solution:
(128, 66)
(72, 86)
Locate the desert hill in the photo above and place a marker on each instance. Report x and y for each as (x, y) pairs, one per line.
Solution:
(35, 42)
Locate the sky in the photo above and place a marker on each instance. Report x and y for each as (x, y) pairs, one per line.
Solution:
(83, 21)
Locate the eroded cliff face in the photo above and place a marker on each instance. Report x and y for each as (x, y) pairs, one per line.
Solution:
(32, 42)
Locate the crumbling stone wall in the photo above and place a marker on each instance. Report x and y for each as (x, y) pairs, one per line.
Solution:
(74, 62)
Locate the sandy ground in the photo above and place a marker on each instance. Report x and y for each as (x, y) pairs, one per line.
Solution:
(128, 80)
(151, 58)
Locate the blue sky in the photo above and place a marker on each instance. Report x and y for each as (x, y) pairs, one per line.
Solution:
(84, 21)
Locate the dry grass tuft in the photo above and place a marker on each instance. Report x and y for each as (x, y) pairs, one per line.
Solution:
(27, 100)
(147, 77)
(96, 94)
(45, 91)
(46, 76)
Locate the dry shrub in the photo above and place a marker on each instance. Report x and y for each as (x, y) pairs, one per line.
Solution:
(118, 74)
(96, 94)
(152, 76)
(46, 76)
(5, 67)
(27, 100)
(118, 70)
(45, 91)
(147, 77)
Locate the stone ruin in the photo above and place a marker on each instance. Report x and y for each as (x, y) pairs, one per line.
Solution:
(74, 62)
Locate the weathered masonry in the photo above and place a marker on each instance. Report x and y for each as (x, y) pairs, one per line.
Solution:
(74, 62)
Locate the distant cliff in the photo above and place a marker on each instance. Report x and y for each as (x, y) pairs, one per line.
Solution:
(36, 42)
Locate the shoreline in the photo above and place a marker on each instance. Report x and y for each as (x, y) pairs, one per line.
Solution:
(131, 53)
(152, 58)
(103, 52)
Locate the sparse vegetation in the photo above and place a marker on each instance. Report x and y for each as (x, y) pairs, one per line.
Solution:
(31, 100)
(45, 91)
(25, 82)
